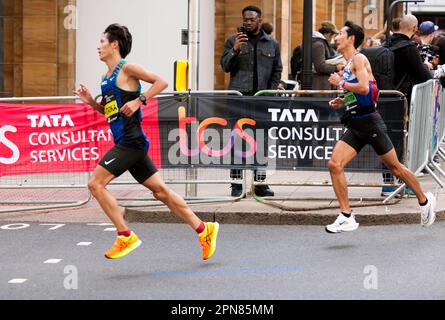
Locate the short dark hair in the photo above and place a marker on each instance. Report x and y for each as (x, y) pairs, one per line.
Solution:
(267, 27)
(120, 33)
(356, 31)
(252, 8)
(395, 24)
(439, 41)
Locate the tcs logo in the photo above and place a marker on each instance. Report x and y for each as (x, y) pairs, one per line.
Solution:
(237, 131)
(5, 141)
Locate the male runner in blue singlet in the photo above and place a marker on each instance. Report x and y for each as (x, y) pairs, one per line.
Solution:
(365, 126)
(121, 104)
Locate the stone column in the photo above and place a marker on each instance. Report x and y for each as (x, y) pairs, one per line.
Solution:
(38, 52)
(283, 34)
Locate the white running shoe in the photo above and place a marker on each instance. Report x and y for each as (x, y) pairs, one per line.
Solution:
(342, 224)
(427, 214)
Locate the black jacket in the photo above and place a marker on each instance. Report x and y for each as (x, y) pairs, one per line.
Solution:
(241, 65)
(407, 60)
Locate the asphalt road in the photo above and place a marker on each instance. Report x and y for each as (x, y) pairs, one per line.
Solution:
(251, 262)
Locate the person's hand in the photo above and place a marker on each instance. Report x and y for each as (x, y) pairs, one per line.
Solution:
(84, 94)
(239, 40)
(334, 79)
(336, 103)
(340, 66)
(130, 108)
(368, 42)
(281, 86)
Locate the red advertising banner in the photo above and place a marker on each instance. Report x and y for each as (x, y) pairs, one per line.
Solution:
(283, 133)
(43, 138)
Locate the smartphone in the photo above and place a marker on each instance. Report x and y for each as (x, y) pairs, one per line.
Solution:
(242, 29)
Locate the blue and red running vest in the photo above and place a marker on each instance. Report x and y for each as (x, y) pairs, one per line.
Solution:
(368, 101)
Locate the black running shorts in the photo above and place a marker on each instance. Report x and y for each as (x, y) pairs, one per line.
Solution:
(121, 158)
(369, 130)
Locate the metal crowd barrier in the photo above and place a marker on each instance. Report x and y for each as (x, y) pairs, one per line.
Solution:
(22, 190)
(43, 191)
(190, 178)
(441, 125)
(426, 130)
(425, 115)
(322, 179)
(40, 192)
(437, 119)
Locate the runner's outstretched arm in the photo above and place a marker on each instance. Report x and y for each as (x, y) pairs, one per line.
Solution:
(85, 95)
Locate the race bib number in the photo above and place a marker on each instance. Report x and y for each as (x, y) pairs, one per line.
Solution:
(111, 109)
(350, 100)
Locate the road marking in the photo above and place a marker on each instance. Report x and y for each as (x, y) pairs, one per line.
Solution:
(17, 281)
(15, 226)
(53, 261)
(100, 224)
(56, 225)
(110, 229)
(84, 243)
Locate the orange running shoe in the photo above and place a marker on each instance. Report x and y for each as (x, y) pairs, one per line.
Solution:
(123, 246)
(208, 239)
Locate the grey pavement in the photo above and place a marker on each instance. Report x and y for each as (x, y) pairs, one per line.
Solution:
(304, 205)
(293, 205)
(265, 251)
(251, 262)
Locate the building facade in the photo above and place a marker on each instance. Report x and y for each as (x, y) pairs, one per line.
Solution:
(47, 47)
(37, 52)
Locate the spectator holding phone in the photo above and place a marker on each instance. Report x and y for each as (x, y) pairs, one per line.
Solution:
(251, 56)
(428, 52)
(253, 59)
